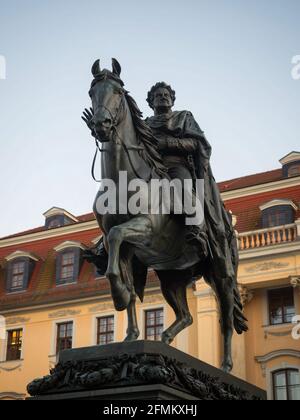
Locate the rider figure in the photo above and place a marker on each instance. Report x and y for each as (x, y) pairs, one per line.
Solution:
(178, 137)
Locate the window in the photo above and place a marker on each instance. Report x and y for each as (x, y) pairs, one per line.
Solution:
(64, 336)
(14, 345)
(286, 385)
(68, 266)
(277, 216)
(105, 330)
(57, 221)
(281, 305)
(18, 274)
(294, 170)
(154, 323)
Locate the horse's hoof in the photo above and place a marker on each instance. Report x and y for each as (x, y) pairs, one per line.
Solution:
(166, 338)
(227, 367)
(132, 336)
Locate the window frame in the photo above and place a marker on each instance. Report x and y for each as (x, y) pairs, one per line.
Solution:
(29, 265)
(98, 333)
(8, 332)
(288, 386)
(284, 212)
(283, 316)
(77, 252)
(155, 326)
(58, 338)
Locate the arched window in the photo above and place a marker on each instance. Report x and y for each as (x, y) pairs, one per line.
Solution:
(286, 385)
(278, 212)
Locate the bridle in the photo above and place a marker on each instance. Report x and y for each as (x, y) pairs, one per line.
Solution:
(115, 122)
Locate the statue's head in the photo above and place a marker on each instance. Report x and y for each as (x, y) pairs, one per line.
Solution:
(161, 96)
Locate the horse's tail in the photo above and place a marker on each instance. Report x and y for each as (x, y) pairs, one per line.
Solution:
(239, 319)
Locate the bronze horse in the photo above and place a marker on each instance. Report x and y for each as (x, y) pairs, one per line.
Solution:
(135, 243)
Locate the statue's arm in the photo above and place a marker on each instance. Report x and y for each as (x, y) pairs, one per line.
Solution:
(184, 146)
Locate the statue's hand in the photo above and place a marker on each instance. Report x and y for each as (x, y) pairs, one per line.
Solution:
(87, 118)
(162, 144)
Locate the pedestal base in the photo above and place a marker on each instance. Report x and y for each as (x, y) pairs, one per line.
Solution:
(140, 370)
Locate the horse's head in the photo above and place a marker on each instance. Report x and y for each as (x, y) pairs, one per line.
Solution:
(107, 95)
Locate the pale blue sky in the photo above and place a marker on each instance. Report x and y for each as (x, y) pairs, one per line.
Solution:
(228, 60)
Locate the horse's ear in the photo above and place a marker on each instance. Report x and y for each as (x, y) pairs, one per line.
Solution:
(116, 67)
(96, 68)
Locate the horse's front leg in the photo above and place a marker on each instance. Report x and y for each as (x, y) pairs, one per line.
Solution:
(136, 232)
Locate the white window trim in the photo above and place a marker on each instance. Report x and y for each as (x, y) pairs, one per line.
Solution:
(69, 244)
(21, 254)
(95, 324)
(289, 158)
(278, 202)
(3, 352)
(269, 376)
(55, 324)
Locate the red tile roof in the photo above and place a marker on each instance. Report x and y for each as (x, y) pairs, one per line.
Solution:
(251, 180)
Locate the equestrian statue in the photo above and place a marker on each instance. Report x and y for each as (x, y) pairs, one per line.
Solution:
(169, 145)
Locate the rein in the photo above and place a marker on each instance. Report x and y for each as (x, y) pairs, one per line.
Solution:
(126, 148)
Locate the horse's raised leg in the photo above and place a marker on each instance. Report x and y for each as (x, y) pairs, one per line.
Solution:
(173, 286)
(127, 274)
(136, 232)
(226, 299)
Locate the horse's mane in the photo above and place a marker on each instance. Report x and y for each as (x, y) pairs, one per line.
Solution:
(144, 133)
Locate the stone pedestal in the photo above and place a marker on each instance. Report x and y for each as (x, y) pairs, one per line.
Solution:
(141, 370)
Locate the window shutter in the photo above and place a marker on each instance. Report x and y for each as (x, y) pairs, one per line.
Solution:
(77, 263)
(29, 267)
(58, 268)
(8, 276)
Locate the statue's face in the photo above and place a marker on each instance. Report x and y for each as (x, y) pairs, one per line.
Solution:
(162, 99)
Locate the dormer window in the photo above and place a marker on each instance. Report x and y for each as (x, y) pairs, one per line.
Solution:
(57, 217)
(294, 170)
(278, 213)
(19, 268)
(18, 275)
(291, 165)
(68, 262)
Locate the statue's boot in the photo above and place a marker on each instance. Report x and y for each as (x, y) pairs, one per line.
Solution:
(120, 294)
(196, 236)
(98, 256)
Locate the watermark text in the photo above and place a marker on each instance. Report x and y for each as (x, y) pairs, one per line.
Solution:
(296, 67)
(2, 67)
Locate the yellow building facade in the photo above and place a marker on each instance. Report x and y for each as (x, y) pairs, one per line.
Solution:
(50, 298)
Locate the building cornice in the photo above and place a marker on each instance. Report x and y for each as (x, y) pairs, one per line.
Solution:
(270, 250)
(48, 234)
(277, 353)
(261, 189)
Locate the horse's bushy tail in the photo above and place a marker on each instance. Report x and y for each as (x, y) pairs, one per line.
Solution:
(239, 319)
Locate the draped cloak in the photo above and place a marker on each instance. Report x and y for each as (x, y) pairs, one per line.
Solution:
(182, 127)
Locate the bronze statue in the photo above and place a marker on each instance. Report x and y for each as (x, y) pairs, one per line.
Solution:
(169, 144)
